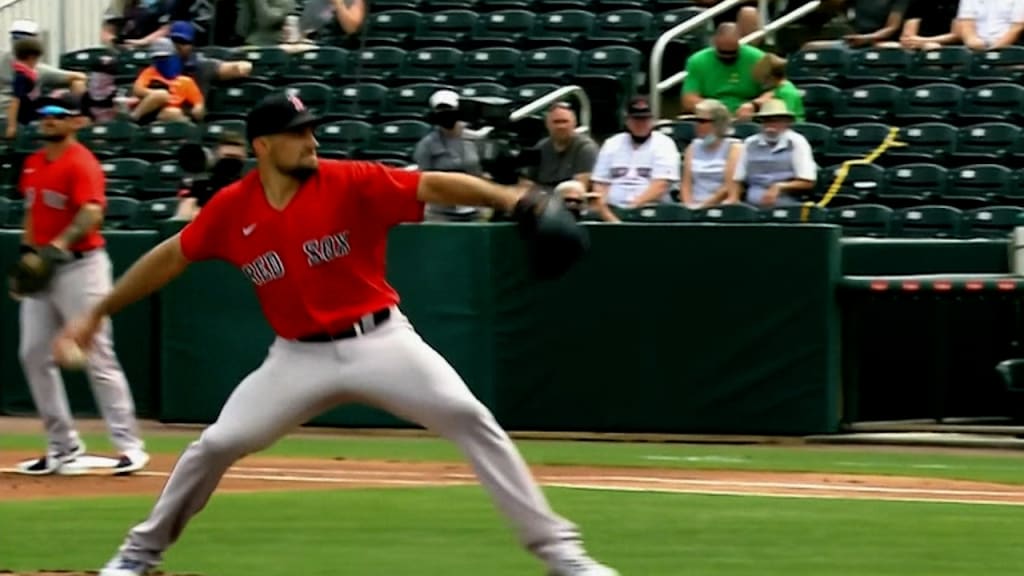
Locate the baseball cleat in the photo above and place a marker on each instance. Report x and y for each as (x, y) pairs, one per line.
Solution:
(124, 567)
(51, 462)
(131, 461)
(580, 566)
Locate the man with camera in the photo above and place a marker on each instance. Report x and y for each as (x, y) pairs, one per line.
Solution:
(215, 168)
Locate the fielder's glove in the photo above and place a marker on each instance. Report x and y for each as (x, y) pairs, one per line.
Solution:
(554, 240)
(34, 270)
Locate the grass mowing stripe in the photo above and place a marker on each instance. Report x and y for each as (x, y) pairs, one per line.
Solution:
(456, 532)
(992, 468)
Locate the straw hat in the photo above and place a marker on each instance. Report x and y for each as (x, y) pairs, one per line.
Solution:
(774, 109)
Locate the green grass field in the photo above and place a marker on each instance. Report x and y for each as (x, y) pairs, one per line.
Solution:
(455, 531)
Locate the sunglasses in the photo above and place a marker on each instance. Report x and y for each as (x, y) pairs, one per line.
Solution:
(56, 116)
(703, 120)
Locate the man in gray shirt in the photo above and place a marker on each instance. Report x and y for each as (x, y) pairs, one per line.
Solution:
(564, 154)
(50, 77)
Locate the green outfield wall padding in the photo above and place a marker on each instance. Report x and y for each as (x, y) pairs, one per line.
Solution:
(135, 336)
(891, 256)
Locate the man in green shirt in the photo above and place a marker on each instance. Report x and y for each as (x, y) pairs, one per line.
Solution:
(724, 72)
(770, 73)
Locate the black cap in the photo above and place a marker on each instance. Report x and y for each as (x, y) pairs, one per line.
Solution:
(278, 113)
(66, 104)
(639, 107)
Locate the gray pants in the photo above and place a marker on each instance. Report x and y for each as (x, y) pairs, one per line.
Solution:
(76, 286)
(390, 368)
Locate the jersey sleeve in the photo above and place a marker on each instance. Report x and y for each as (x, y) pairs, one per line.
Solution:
(88, 184)
(203, 237)
(391, 194)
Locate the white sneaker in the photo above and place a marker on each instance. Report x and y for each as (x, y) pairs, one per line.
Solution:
(131, 461)
(51, 462)
(580, 566)
(124, 567)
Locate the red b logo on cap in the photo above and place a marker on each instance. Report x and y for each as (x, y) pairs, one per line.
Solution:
(299, 106)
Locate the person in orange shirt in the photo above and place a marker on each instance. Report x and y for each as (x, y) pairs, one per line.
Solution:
(164, 92)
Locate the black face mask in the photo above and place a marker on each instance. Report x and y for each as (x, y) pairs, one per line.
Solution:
(446, 119)
(226, 171)
(53, 137)
(640, 139)
(727, 57)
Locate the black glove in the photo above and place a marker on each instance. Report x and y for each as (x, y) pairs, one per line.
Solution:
(554, 240)
(34, 270)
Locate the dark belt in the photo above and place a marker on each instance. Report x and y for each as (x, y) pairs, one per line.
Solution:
(365, 324)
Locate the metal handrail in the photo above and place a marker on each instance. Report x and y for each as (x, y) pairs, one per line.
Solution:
(552, 97)
(658, 86)
(658, 52)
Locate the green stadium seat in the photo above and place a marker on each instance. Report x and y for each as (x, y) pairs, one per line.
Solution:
(615, 5)
(870, 103)
(385, 5)
(83, 60)
(344, 139)
(392, 28)
(817, 135)
(438, 5)
(992, 103)
(1002, 65)
(449, 27)
(928, 103)
(435, 64)
(27, 140)
(269, 63)
(863, 183)
(163, 179)
(484, 90)
(878, 65)
(410, 102)
(873, 220)
(126, 173)
(5, 207)
(979, 184)
(562, 27)
(493, 64)
(234, 102)
(913, 184)
(983, 143)
(657, 213)
(527, 93)
(557, 63)
(820, 101)
(380, 64)
(612, 70)
(325, 64)
(682, 132)
(218, 52)
(316, 96)
(744, 130)
(561, 5)
(130, 63)
(927, 142)
(395, 140)
(928, 222)
(485, 6)
(728, 213)
(817, 66)
(794, 214)
(110, 139)
(151, 212)
(358, 101)
(502, 28)
(213, 131)
(855, 141)
(947, 64)
(119, 212)
(162, 140)
(992, 221)
(14, 213)
(626, 27)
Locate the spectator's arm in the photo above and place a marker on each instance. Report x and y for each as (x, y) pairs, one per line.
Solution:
(693, 89)
(155, 35)
(655, 190)
(728, 178)
(739, 176)
(234, 70)
(350, 14)
(1010, 37)
(804, 169)
(584, 163)
(601, 177)
(600, 203)
(12, 118)
(686, 179)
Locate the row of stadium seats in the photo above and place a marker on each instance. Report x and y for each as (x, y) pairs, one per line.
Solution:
(535, 5)
(956, 64)
(990, 142)
(856, 220)
(937, 102)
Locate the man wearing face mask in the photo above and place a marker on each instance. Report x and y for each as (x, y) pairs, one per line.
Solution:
(776, 166)
(638, 166)
(446, 149)
(724, 72)
(164, 92)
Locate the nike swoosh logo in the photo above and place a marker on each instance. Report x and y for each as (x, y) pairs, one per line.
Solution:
(248, 229)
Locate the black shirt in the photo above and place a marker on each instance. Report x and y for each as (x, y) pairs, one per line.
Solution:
(936, 16)
(870, 16)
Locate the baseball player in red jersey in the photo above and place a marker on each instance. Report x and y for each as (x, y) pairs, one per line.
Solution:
(311, 234)
(63, 185)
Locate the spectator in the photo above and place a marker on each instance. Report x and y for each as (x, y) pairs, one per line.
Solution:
(638, 166)
(164, 92)
(723, 72)
(988, 25)
(577, 200)
(447, 149)
(710, 159)
(50, 77)
(228, 160)
(930, 24)
(99, 103)
(205, 71)
(564, 154)
(135, 23)
(200, 14)
(874, 22)
(333, 20)
(261, 22)
(746, 18)
(777, 165)
(770, 73)
(25, 87)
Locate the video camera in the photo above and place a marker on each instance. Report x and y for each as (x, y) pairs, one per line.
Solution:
(509, 147)
(208, 170)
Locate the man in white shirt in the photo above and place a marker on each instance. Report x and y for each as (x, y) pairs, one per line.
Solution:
(638, 166)
(777, 165)
(990, 24)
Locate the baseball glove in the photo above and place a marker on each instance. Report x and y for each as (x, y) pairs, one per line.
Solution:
(34, 270)
(554, 240)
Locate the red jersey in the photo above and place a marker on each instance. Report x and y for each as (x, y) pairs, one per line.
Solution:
(56, 190)
(319, 264)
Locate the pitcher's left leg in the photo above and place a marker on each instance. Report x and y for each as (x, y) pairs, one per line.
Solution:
(78, 287)
(412, 381)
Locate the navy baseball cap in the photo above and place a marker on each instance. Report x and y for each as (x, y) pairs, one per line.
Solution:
(182, 32)
(278, 113)
(61, 105)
